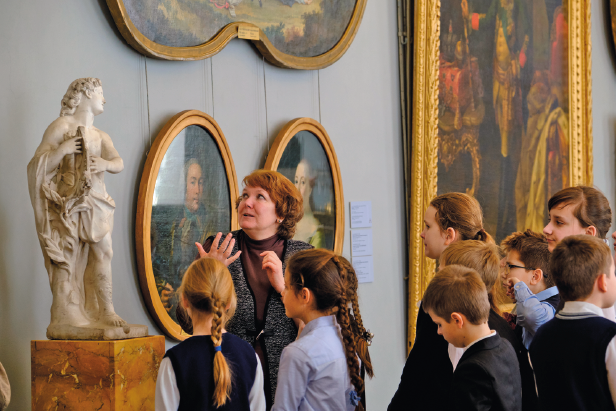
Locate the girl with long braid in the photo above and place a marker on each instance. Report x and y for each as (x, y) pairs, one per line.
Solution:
(363, 337)
(320, 370)
(212, 369)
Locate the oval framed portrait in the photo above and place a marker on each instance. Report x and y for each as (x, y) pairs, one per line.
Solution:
(304, 153)
(187, 193)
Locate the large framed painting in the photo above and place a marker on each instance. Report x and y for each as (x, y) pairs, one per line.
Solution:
(304, 153)
(501, 111)
(299, 34)
(187, 193)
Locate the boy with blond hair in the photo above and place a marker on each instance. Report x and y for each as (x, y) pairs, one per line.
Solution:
(574, 354)
(529, 282)
(487, 375)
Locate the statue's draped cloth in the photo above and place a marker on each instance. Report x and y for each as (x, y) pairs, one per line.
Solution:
(69, 216)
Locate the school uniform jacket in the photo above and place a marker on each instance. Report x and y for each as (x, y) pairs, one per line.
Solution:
(487, 378)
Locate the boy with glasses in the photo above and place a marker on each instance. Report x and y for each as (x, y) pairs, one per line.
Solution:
(529, 282)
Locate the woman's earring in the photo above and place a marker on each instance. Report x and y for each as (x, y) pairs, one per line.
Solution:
(279, 221)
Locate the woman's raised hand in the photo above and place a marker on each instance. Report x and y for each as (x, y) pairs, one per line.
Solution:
(273, 266)
(220, 252)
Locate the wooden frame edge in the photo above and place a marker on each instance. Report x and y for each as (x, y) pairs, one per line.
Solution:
(144, 206)
(147, 47)
(275, 154)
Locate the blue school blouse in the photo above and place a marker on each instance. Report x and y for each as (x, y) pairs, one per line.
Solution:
(313, 372)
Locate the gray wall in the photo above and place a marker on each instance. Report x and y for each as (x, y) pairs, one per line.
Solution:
(47, 44)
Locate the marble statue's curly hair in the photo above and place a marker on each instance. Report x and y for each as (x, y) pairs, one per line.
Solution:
(72, 98)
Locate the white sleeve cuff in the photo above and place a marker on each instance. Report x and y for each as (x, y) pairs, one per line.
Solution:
(167, 395)
(256, 397)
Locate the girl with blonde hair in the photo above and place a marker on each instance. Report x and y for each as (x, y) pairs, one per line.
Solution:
(212, 369)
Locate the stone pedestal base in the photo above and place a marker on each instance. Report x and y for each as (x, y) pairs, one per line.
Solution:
(96, 332)
(96, 375)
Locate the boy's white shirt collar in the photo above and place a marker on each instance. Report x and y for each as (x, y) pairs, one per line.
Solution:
(455, 353)
(581, 307)
(493, 333)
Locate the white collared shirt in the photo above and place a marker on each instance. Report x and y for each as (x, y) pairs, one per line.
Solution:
(456, 353)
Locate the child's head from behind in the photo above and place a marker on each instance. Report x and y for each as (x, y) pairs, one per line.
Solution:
(316, 280)
(478, 255)
(207, 289)
(583, 269)
(451, 217)
(577, 210)
(456, 299)
(528, 258)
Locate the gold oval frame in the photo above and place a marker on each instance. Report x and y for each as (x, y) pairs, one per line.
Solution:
(144, 207)
(280, 144)
(147, 47)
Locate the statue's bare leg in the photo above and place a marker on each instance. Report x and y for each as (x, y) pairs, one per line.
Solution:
(65, 306)
(98, 273)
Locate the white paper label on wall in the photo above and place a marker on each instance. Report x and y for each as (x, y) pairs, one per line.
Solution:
(364, 269)
(361, 214)
(361, 242)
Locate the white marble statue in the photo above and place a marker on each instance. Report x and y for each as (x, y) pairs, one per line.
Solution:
(74, 218)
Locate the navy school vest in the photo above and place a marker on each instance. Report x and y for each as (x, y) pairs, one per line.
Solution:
(568, 356)
(193, 364)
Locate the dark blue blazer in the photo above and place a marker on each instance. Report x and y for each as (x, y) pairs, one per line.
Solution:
(487, 378)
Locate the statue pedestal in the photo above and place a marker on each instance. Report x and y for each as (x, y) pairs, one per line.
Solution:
(95, 375)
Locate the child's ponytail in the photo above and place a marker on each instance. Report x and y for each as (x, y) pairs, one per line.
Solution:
(363, 337)
(208, 287)
(342, 317)
(462, 213)
(222, 372)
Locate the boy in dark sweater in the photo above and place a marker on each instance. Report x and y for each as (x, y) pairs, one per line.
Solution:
(574, 354)
(487, 376)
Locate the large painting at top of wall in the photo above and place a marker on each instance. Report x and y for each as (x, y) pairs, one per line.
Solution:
(291, 31)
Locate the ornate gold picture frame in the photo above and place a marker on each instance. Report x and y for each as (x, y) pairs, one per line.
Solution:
(448, 61)
(304, 153)
(187, 193)
(297, 34)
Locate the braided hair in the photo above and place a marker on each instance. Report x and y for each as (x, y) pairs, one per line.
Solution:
(326, 274)
(357, 325)
(208, 288)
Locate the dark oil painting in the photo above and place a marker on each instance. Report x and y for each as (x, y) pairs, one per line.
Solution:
(191, 202)
(305, 163)
(503, 120)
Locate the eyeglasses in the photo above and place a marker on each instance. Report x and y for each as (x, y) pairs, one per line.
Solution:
(510, 266)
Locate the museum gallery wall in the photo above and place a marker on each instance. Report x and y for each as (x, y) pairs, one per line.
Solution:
(500, 108)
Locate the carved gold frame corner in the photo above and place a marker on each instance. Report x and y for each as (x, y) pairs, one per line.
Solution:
(149, 48)
(275, 154)
(424, 152)
(144, 207)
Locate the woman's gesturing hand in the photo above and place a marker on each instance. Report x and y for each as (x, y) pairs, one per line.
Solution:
(220, 252)
(273, 266)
